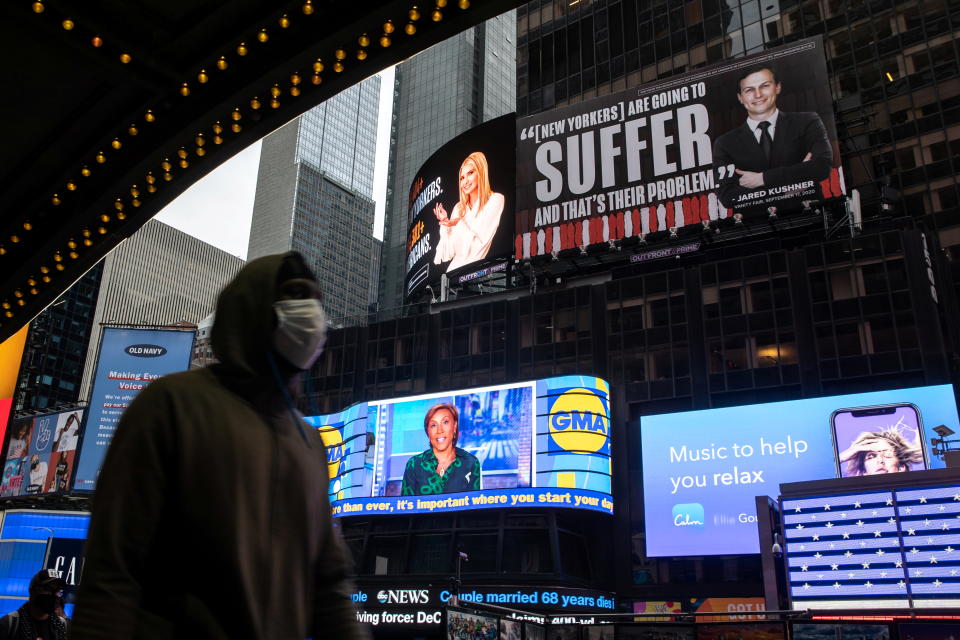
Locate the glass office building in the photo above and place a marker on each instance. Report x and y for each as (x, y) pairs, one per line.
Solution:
(314, 195)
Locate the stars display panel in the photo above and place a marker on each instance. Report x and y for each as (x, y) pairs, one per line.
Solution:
(877, 549)
(930, 524)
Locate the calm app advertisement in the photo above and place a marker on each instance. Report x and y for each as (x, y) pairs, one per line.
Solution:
(703, 469)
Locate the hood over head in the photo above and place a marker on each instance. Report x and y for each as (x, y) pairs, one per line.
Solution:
(242, 334)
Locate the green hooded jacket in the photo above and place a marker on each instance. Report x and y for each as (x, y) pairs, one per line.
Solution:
(211, 517)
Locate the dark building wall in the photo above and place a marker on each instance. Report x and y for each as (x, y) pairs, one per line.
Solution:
(780, 318)
(530, 547)
(56, 348)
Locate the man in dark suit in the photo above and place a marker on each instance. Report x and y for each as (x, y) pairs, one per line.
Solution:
(772, 147)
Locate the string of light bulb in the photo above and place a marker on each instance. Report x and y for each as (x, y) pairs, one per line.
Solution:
(73, 247)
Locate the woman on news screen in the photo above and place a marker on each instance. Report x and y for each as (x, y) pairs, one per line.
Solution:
(466, 234)
(444, 467)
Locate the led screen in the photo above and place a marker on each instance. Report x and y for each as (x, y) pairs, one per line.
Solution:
(874, 549)
(11, 351)
(40, 453)
(703, 469)
(462, 625)
(128, 360)
(461, 206)
(542, 443)
(878, 439)
(681, 151)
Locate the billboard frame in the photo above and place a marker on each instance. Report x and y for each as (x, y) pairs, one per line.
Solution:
(117, 325)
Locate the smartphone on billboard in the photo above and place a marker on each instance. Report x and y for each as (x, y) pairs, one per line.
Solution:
(878, 439)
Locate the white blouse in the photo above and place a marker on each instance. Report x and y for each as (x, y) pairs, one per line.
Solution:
(469, 240)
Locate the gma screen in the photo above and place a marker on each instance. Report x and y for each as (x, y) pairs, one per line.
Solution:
(543, 443)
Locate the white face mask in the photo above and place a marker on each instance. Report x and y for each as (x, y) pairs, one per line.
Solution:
(301, 331)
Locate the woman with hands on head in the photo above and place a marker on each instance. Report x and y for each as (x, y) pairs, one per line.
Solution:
(467, 233)
(877, 452)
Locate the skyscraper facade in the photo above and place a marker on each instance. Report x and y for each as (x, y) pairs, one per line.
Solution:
(440, 93)
(53, 356)
(160, 276)
(314, 195)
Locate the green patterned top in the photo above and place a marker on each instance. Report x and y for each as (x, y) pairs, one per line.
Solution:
(421, 477)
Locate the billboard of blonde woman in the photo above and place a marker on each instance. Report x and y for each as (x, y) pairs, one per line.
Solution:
(467, 233)
(40, 453)
(461, 207)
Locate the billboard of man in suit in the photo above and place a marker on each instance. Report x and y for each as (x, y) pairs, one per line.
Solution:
(772, 147)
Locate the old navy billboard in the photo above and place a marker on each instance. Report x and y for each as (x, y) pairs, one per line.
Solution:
(736, 138)
(128, 360)
(544, 443)
(461, 204)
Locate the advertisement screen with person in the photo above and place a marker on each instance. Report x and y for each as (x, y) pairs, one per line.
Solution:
(435, 444)
(725, 141)
(41, 453)
(461, 205)
(543, 443)
(878, 440)
(463, 625)
(702, 470)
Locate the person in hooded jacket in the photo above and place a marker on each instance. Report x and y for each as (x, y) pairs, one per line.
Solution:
(211, 518)
(41, 616)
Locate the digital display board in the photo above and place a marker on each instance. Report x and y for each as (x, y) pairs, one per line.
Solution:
(703, 469)
(461, 205)
(128, 360)
(420, 603)
(878, 439)
(543, 443)
(41, 453)
(66, 557)
(681, 151)
(27, 535)
(874, 549)
(466, 625)
(11, 352)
